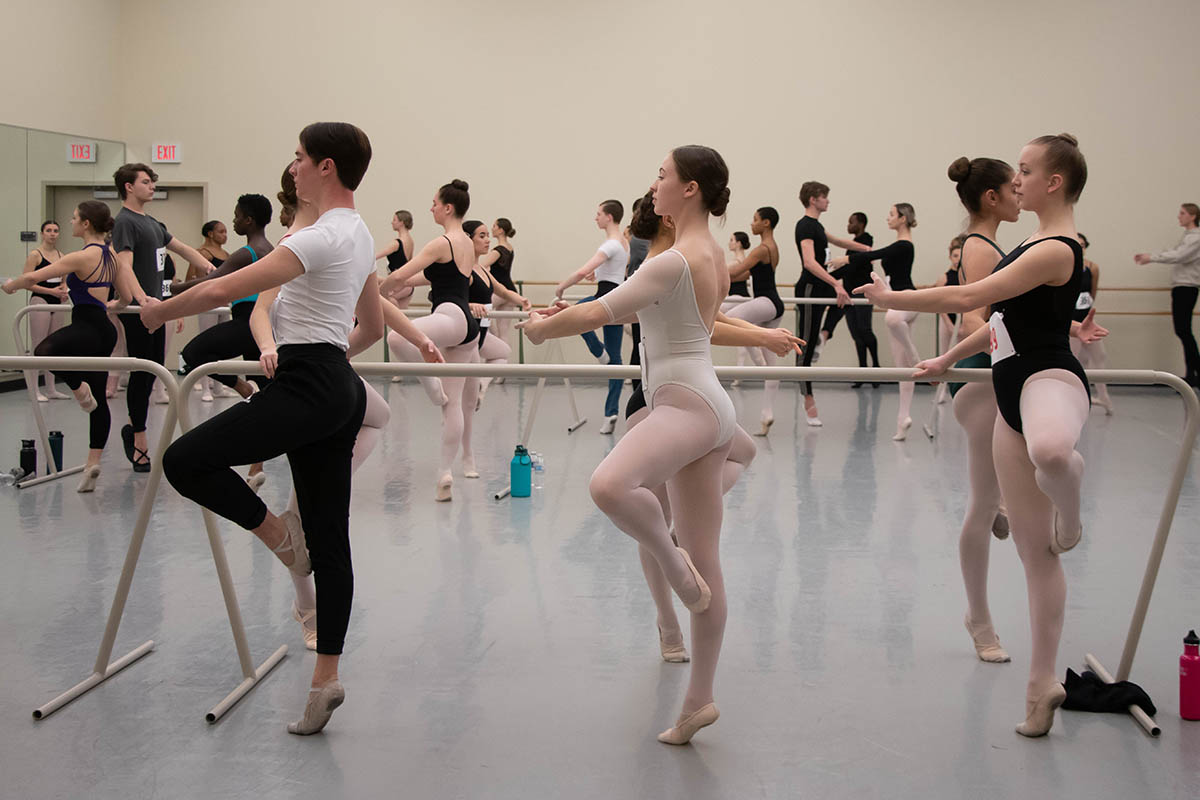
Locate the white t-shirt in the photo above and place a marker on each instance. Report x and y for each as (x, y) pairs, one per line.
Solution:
(616, 258)
(317, 307)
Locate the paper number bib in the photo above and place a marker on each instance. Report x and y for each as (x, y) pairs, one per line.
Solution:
(1002, 346)
(486, 321)
(1084, 301)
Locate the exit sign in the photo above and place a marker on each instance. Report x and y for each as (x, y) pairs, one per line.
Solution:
(166, 154)
(81, 152)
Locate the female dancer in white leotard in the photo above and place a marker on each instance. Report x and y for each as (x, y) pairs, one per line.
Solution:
(686, 441)
(738, 333)
(446, 264)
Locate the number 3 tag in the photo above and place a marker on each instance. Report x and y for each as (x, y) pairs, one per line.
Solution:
(1002, 346)
(1083, 302)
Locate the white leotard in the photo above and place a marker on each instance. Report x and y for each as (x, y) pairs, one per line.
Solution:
(676, 345)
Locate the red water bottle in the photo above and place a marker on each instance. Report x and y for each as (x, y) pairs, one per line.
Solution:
(1189, 677)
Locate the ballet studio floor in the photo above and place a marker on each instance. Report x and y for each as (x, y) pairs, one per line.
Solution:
(508, 649)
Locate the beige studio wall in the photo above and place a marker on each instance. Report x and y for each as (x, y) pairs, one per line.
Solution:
(549, 107)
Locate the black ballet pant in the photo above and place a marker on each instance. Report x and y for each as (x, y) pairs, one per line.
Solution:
(224, 340)
(1183, 303)
(310, 412)
(858, 320)
(89, 334)
(809, 323)
(140, 343)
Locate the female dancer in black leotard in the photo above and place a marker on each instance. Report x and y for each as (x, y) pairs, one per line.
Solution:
(445, 263)
(947, 322)
(499, 263)
(492, 348)
(1041, 392)
(48, 292)
(90, 275)
(766, 309)
(897, 262)
(215, 236)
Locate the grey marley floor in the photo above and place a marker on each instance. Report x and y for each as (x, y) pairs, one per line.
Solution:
(508, 649)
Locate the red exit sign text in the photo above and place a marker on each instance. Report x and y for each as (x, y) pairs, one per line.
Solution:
(166, 153)
(81, 152)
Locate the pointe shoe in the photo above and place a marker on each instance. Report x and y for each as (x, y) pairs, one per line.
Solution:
(1061, 542)
(320, 707)
(294, 543)
(41, 398)
(1041, 718)
(469, 468)
(766, 423)
(700, 604)
(206, 397)
(689, 724)
(987, 643)
(86, 400)
(1000, 528)
(442, 495)
(902, 430)
(256, 481)
(673, 653)
(308, 624)
(88, 483)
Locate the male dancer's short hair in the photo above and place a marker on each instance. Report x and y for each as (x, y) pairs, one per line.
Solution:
(344, 144)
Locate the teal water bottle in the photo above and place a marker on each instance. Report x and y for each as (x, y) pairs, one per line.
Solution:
(520, 469)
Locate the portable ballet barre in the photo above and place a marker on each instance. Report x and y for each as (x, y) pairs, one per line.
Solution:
(52, 471)
(104, 667)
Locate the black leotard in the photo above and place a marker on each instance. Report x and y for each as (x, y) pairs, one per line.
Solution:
(502, 269)
(49, 283)
(1085, 288)
(447, 284)
(397, 259)
(762, 279)
(1039, 323)
(897, 261)
(952, 280)
(480, 291)
(739, 288)
(978, 360)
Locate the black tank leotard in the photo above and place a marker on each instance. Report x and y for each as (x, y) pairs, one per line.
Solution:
(1085, 288)
(739, 288)
(49, 283)
(502, 269)
(447, 284)
(952, 280)
(480, 292)
(397, 259)
(1039, 323)
(762, 279)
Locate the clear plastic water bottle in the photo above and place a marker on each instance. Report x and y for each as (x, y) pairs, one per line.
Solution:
(13, 476)
(539, 470)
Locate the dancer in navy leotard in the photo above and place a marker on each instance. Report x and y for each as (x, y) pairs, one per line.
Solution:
(91, 273)
(1041, 392)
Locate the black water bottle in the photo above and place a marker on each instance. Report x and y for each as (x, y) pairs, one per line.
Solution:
(56, 449)
(28, 457)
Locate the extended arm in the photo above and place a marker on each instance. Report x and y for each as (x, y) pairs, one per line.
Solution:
(191, 254)
(1187, 250)
(64, 266)
(581, 273)
(1049, 264)
(232, 264)
(436, 250)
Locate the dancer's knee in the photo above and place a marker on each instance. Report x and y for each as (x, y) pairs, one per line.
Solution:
(607, 488)
(1051, 452)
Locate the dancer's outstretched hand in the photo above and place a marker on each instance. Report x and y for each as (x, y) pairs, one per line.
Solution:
(532, 327)
(782, 342)
(876, 291)
(430, 353)
(149, 315)
(268, 360)
(931, 367)
(1089, 331)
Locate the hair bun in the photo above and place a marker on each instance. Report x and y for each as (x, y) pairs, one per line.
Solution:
(1069, 139)
(459, 184)
(960, 169)
(720, 202)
